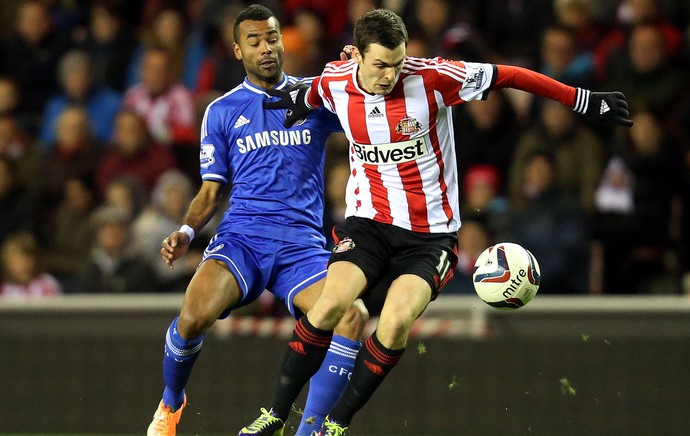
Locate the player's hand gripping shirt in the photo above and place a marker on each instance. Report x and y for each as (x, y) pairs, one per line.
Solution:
(402, 158)
(276, 174)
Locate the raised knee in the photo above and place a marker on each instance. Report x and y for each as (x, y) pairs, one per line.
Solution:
(193, 322)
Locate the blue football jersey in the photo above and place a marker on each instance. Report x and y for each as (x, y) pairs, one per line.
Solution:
(275, 174)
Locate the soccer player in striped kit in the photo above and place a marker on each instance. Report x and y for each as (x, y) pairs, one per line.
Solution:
(270, 237)
(402, 195)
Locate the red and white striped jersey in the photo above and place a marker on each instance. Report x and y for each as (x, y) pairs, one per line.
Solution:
(169, 117)
(402, 152)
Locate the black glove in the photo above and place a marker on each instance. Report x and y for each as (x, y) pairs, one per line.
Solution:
(292, 98)
(603, 107)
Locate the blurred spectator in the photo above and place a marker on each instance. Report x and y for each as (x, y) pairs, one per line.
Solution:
(18, 208)
(17, 146)
(645, 73)
(74, 153)
(114, 265)
(431, 20)
(578, 151)
(483, 197)
(110, 42)
(100, 102)
(23, 274)
(355, 9)
(169, 200)
(473, 238)
(486, 133)
(579, 17)
(332, 16)
(335, 185)
(68, 17)
(9, 102)
(633, 13)
(550, 223)
(126, 193)
(635, 218)
(295, 57)
(169, 31)
(419, 48)
(30, 57)
(307, 43)
(167, 105)
(13, 141)
(561, 60)
(133, 153)
(512, 29)
(447, 31)
(220, 70)
(69, 237)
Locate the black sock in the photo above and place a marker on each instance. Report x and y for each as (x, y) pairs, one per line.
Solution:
(373, 363)
(303, 358)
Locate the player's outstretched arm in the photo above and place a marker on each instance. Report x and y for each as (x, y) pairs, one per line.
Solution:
(601, 107)
(294, 99)
(201, 210)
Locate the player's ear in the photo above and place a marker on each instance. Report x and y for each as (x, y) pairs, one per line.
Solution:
(237, 51)
(356, 55)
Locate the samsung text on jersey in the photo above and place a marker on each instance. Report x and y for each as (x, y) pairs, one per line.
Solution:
(273, 137)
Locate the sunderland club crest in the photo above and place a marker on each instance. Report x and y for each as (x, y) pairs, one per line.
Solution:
(408, 126)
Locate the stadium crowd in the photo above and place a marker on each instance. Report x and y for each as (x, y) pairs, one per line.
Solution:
(101, 103)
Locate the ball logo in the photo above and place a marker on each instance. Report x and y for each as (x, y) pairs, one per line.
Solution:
(533, 274)
(502, 272)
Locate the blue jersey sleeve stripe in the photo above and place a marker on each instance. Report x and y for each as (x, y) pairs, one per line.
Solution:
(214, 178)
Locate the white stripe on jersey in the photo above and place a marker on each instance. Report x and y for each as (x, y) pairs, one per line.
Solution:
(204, 130)
(444, 129)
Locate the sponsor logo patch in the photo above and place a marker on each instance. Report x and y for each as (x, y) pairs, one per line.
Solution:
(391, 154)
(477, 79)
(206, 158)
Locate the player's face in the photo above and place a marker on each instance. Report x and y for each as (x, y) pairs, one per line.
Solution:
(260, 48)
(379, 68)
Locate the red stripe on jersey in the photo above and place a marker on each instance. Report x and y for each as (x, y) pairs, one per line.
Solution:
(433, 136)
(357, 117)
(410, 176)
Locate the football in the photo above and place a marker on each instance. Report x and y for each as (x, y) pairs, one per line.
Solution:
(506, 276)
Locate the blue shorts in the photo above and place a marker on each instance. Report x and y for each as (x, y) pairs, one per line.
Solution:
(258, 264)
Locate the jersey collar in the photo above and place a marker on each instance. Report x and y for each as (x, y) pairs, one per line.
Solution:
(251, 87)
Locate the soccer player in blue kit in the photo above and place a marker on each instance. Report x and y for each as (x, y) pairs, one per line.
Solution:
(270, 237)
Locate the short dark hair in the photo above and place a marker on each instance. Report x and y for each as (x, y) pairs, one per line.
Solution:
(379, 26)
(253, 12)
